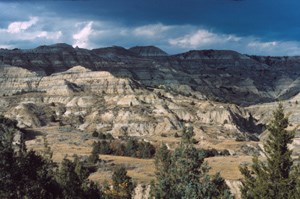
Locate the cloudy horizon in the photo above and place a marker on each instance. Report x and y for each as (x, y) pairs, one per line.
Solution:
(250, 27)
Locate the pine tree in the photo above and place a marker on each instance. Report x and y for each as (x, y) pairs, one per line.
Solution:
(163, 188)
(94, 157)
(275, 177)
(23, 174)
(73, 179)
(26, 174)
(184, 174)
(187, 135)
(122, 185)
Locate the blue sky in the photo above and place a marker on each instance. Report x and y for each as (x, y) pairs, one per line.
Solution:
(261, 27)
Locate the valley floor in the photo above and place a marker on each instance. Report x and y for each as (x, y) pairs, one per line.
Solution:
(67, 142)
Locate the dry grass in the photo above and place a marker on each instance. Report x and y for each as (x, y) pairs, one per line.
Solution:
(61, 150)
(64, 143)
(141, 170)
(231, 144)
(228, 166)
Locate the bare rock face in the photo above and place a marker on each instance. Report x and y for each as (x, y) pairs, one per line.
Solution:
(234, 186)
(142, 192)
(221, 75)
(143, 91)
(16, 80)
(79, 79)
(99, 101)
(29, 114)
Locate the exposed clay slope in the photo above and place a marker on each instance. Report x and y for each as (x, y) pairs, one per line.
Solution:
(127, 92)
(97, 100)
(214, 74)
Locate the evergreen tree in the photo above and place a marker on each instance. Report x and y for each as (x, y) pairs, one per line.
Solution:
(80, 169)
(23, 174)
(187, 135)
(275, 177)
(131, 147)
(145, 150)
(184, 174)
(122, 185)
(163, 188)
(73, 179)
(94, 157)
(105, 148)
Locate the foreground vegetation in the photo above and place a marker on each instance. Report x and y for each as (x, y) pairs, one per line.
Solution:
(130, 147)
(26, 174)
(184, 174)
(181, 173)
(278, 176)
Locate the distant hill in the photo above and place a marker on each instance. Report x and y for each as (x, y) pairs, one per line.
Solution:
(222, 75)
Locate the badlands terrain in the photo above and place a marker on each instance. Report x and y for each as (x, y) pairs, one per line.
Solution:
(65, 94)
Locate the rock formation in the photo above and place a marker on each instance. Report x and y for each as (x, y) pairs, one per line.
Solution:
(148, 51)
(143, 91)
(217, 75)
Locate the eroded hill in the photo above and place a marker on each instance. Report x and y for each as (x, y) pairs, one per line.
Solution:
(67, 93)
(143, 91)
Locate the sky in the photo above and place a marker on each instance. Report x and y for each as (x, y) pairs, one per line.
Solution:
(256, 27)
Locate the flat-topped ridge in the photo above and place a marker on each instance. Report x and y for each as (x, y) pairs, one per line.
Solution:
(148, 51)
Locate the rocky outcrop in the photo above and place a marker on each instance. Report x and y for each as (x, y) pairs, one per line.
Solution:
(29, 114)
(115, 53)
(148, 51)
(143, 91)
(17, 80)
(100, 101)
(80, 79)
(146, 93)
(142, 192)
(234, 186)
(214, 74)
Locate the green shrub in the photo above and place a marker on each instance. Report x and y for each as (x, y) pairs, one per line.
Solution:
(95, 134)
(130, 147)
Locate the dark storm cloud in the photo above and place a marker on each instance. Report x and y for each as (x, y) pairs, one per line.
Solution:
(249, 26)
(248, 17)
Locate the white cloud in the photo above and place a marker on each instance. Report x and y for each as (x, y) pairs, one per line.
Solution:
(48, 35)
(150, 30)
(258, 44)
(201, 38)
(82, 37)
(18, 26)
(47, 26)
(32, 35)
(40, 30)
(28, 32)
(274, 47)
